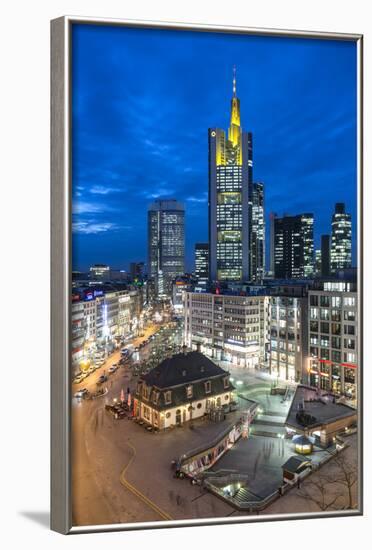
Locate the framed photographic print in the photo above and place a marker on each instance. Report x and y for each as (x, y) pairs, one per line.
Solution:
(206, 274)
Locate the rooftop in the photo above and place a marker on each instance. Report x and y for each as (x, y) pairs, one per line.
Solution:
(294, 463)
(183, 368)
(311, 407)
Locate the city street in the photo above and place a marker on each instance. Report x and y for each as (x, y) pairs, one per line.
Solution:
(121, 473)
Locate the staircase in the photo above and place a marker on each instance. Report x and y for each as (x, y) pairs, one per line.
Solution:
(243, 495)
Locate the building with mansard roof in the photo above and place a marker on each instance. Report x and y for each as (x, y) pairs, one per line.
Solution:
(181, 388)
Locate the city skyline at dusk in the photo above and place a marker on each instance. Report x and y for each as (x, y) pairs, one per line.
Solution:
(142, 106)
(214, 285)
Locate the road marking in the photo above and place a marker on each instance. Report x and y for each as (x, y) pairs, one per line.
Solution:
(138, 493)
(199, 496)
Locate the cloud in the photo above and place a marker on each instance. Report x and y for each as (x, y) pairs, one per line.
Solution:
(161, 192)
(202, 198)
(88, 228)
(81, 207)
(102, 190)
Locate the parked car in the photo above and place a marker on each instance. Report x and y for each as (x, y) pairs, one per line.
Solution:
(102, 379)
(112, 369)
(81, 393)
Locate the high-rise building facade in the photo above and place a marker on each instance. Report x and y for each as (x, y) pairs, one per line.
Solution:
(333, 338)
(137, 271)
(318, 262)
(341, 239)
(257, 234)
(100, 272)
(230, 192)
(325, 256)
(201, 266)
(288, 337)
(166, 244)
(226, 327)
(273, 215)
(293, 246)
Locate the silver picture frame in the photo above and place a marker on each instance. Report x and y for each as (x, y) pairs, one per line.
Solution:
(61, 267)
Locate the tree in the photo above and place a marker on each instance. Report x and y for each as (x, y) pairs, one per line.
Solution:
(318, 491)
(332, 487)
(345, 475)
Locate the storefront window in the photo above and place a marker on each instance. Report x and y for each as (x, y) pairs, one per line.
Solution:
(314, 379)
(324, 382)
(350, 382)
(349, 376)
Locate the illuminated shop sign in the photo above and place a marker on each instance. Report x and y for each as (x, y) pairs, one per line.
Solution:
(98, 293)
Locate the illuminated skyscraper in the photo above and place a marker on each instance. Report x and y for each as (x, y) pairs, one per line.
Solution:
(273, 215)
(201, 266)
(230, 192)
(293, 246)
(341, 239)
(325, 255)
(318, 262)
(166, 244)
(257, 232)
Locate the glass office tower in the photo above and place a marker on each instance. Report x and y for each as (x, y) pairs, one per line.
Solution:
(166, 244)
(201, 266)
(341, 239)
(230, 190)
(294, 246)
(257, 240)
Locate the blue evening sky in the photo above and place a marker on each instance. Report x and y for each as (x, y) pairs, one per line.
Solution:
(143, 101)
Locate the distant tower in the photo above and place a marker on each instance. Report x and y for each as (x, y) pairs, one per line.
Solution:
(272, 241)
(166, 244)
(230, 192)
(318, 262)
(257, 240)
(341, 239)
(325, 269)
(201, 266)
(294, 246)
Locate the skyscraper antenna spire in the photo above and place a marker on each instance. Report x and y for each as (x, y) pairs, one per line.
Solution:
(234, 81)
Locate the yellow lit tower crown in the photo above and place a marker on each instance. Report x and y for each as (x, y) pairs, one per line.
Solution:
(230, 151)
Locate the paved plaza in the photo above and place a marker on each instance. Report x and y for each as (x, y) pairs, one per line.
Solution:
(123, 474)
(261, 459)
